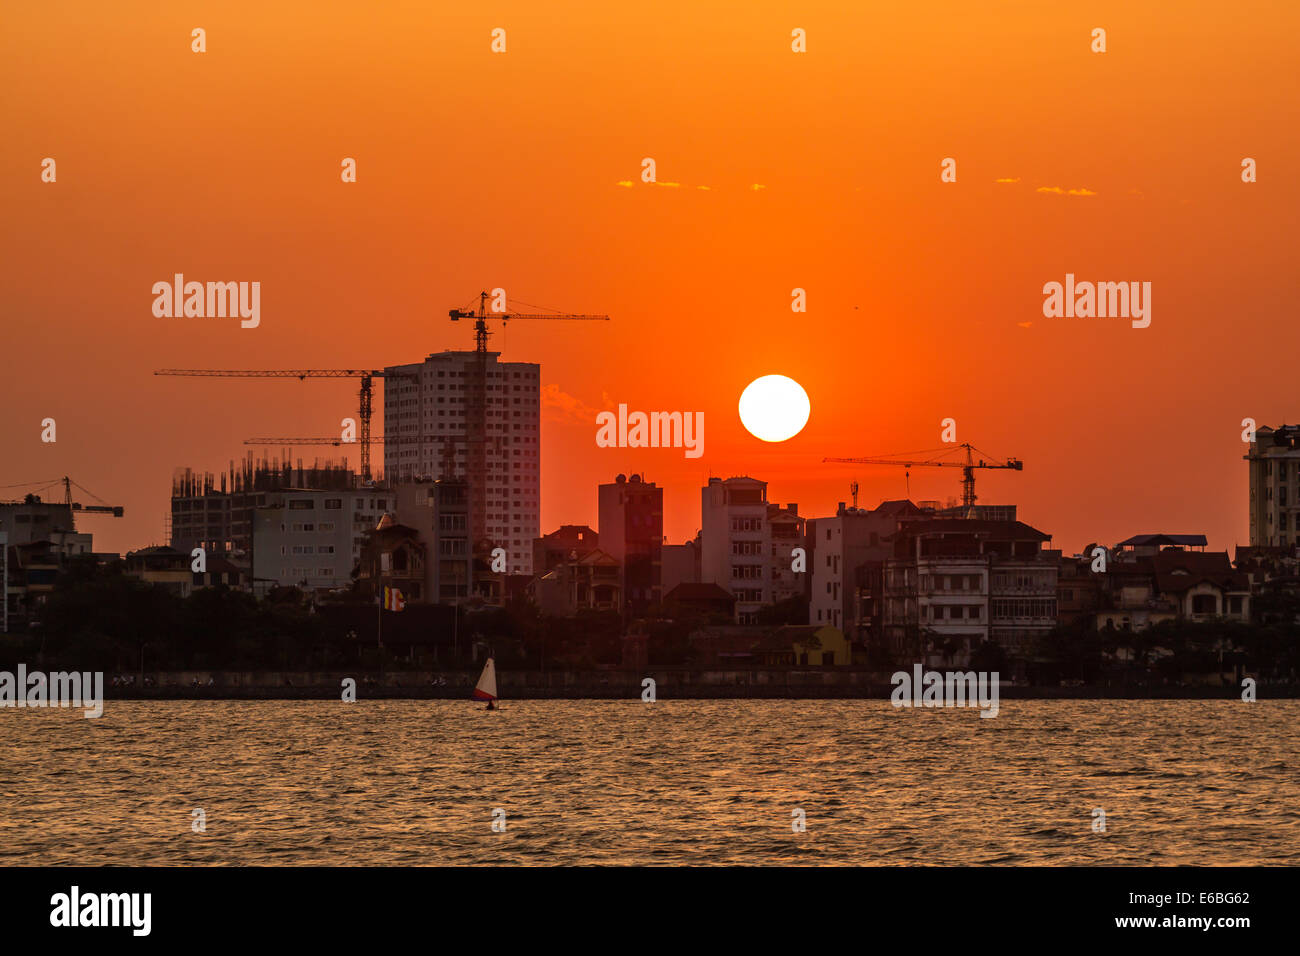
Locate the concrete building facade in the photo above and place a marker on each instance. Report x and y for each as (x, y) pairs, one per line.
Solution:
(736, 543)
(467, 415)
(1274, 468)
(838, 546)
(787, 530)
(313, 538)
(955, 583)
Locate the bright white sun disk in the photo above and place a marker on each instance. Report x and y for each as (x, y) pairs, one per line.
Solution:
(774, 408)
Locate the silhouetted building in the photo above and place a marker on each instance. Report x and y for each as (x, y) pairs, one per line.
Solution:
(393, 557)
(1145, 545)
(707, 599)
(590, 582)
(679, 564)
(954, 583)
(1078, 589)
(439, 512)
(566, 543)
(631, 528)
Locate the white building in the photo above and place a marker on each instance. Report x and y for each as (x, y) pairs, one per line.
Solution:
(312, 538)
(838, 546)
(736, 542)
(1274, 462)
(439, 423)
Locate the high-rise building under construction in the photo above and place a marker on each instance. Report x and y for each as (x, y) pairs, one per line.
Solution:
(462, 414)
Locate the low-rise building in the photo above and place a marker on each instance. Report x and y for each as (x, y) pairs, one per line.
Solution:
(679, 564)
(804, 645)
(590, 583)
(568, 542)
(953, 584)
(394, 556)
(709, 600)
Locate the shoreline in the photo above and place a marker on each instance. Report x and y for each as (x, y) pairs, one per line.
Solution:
(861, 692)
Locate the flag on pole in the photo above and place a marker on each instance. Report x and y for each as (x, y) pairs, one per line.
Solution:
(394, 600)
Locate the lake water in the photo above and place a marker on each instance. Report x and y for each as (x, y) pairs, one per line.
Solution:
(673, 782)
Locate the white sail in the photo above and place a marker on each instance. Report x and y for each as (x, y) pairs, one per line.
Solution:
(486, 688)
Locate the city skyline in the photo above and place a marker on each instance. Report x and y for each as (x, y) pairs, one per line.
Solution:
(924, 297)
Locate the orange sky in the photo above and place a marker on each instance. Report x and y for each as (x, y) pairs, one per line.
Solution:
(479, 170)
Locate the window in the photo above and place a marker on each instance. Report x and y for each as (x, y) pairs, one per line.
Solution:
(302, 504)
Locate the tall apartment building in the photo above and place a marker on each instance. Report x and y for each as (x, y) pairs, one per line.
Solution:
(1274, 464)
(631, 530)
(467, 415)
(736, 542)
(953, 583)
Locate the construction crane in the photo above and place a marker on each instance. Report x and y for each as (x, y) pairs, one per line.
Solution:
(968, 466)
(117, 511)
(476, 407)
(366, 392)
(482, 314)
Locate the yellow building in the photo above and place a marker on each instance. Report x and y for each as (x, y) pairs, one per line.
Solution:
(809, 645)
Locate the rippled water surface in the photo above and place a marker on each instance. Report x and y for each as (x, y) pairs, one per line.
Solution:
(696, 782)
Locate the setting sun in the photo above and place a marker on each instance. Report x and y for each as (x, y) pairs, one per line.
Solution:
(774, 408)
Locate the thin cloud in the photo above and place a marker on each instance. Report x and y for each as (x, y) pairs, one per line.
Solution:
(1059, 191)
(1005, 180)
(564, 407)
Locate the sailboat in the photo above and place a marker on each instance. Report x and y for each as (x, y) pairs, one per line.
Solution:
(486, 688)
